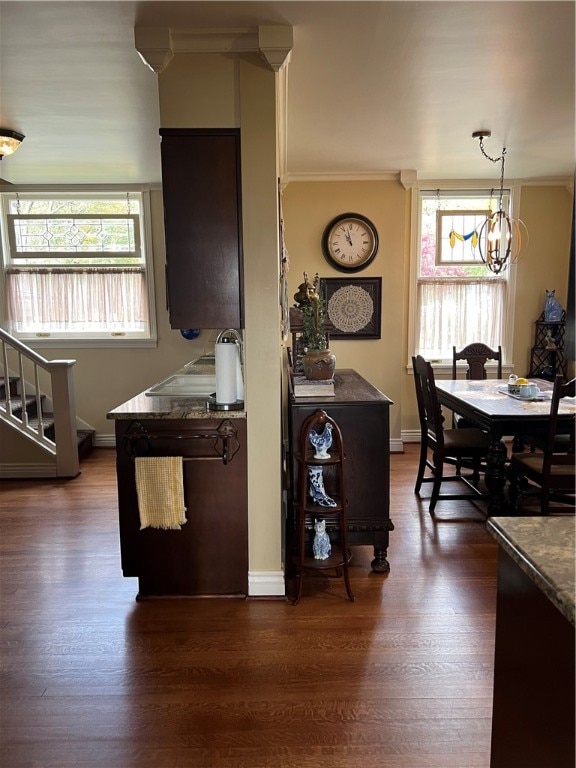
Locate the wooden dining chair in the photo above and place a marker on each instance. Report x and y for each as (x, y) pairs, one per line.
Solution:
(458, 447)
(476, 356)
(549, 473)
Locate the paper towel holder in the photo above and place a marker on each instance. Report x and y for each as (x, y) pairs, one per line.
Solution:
(233, 336)
(223, 337)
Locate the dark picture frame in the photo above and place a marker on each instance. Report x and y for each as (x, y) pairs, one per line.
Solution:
(353, 306)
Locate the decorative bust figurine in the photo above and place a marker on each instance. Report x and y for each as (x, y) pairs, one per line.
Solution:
(306, 288)
(314, 319)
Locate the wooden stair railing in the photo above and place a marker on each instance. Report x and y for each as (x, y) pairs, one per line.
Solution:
(18, 360)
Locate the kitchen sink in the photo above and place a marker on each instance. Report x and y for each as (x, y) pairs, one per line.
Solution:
(184, 385)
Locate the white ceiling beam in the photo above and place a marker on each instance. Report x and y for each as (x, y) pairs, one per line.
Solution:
(158, 45)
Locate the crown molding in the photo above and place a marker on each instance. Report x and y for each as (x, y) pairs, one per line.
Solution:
(351, 176)
(408, 179)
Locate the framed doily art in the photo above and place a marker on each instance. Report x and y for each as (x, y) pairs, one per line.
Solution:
(353, 306)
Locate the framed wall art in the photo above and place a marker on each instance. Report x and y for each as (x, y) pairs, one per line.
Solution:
(353, 306)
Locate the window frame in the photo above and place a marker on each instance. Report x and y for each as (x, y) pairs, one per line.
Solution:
(90, 339)
(466, 188)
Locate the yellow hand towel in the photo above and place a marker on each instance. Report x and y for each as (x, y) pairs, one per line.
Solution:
(160, 488)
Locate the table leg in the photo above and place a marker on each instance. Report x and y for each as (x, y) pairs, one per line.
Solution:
(380, 563)
(496, 477)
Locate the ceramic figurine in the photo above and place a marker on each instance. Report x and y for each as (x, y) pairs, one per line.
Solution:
(321, 442)
(552, 308)
(321, 546)
(317, 492)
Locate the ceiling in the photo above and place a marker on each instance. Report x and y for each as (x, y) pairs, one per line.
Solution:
(373, 87)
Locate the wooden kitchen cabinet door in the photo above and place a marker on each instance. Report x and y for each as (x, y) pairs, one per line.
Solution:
(203, 227)
(209, 555)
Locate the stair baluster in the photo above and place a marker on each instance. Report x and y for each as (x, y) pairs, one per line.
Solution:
(14, 410)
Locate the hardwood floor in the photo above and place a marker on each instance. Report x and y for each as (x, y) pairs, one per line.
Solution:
(401, 678)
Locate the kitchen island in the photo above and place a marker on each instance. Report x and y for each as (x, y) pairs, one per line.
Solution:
(208, 556)
(534, 692)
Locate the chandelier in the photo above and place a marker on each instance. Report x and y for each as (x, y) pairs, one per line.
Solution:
(500, 237)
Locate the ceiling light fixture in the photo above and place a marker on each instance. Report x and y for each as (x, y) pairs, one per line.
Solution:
(500, 237)
(9, 141)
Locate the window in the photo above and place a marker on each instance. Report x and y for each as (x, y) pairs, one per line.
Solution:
(77, 267)
(457, 299)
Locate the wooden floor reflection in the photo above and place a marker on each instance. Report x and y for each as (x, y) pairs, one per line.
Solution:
(401, 678)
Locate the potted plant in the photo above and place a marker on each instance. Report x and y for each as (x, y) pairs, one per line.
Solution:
(318, 361)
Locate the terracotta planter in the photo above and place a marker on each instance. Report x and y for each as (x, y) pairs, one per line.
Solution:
(318, 364)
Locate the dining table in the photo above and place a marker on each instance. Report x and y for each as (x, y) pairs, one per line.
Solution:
(488, 404)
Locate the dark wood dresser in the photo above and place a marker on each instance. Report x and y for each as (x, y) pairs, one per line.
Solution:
(362, 413)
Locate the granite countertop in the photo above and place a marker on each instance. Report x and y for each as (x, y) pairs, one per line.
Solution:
(543, 547)
(143, 406)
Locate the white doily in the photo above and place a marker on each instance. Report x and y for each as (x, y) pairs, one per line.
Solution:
(350, 308)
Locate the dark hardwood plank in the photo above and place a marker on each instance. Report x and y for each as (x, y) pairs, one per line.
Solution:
(401, 678)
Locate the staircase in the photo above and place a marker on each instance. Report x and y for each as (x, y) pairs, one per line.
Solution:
(85, 436)
(39, 430)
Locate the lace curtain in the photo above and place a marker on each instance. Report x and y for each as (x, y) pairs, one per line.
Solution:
(459, 312)
(77, 301)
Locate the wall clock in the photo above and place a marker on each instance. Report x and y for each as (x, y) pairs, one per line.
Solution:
(350, 242)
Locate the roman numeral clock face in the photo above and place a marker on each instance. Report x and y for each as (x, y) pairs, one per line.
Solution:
(350, 242)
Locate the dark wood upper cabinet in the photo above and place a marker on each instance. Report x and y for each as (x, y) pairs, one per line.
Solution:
(203, 227)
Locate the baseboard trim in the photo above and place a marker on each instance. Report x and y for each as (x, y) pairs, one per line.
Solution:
(27, 471)
(411, 435)
(104, 441)
(266, 584)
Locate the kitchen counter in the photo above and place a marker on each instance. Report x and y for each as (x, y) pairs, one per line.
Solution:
(208, 556)
(143, 406)
(533, 712)
(543, 547)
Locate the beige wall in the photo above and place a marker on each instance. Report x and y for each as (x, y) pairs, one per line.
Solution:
(309, 206)
(547, 214)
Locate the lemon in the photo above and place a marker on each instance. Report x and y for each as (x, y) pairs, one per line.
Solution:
(522, 381)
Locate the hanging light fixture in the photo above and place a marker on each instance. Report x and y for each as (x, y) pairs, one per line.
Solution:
(9, 141)
(500, 237)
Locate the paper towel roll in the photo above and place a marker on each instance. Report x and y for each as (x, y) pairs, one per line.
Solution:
(227, 359)
(239, 377)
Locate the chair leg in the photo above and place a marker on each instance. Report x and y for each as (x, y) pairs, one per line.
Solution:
(513, 491)
(476, 471)
(421, 466)
(438, 472)
(544, 502)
